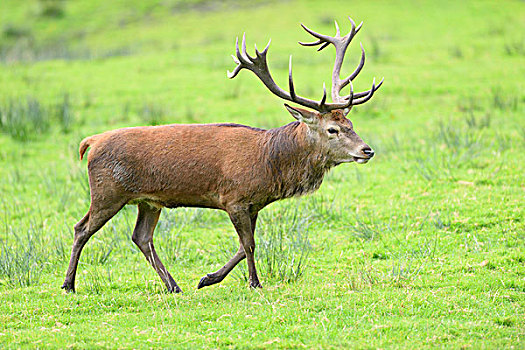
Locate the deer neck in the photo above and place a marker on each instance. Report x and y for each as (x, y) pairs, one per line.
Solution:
(295, 160)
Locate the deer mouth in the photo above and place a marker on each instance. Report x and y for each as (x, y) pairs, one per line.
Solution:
(360, 160)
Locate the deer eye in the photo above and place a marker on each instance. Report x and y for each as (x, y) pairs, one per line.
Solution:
(333, 131)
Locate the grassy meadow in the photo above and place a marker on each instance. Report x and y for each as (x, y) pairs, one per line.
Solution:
(422, 247)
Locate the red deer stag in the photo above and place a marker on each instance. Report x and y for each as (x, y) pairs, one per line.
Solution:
(235, 168)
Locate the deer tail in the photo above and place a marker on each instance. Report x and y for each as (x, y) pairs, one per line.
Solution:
(85, 143)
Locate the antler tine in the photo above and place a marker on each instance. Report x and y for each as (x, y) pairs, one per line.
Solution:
(325, 40)
(239, 53)
(370, 93)
(321, 37)
(244, 52)
(365, 93)
(355, 29)
(244, 44)
(358, 27)
(243, 59)
(360, 66)
(352, 31)
(323, 99)
(290, 80)
(357, 70)
(315, 43)
(264, 51)
(237, 60)
(351, 96)
(325, 45)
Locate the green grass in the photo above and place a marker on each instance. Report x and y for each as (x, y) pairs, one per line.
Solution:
(422, 247)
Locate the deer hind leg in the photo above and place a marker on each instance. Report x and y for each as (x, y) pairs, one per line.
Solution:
(93, 221)
(147, 219)
(219, 275)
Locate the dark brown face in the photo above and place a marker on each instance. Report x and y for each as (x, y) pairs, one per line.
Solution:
(335, 134)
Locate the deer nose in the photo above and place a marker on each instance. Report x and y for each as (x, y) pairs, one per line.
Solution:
(368, 151)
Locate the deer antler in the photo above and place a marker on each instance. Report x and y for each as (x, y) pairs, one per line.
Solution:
(341, 44)
(259, 66)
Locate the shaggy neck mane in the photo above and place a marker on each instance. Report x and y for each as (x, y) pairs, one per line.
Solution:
(295, 164)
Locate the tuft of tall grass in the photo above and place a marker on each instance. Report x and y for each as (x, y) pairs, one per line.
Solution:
(515, 48)
(452, 146)
(504, 101)
(24, 48)
(470, 104)
(282, 247)
(78, 178)
(367, 228)
(478, 123)
(401, 269)
(14, 32)
(24, 119)
(190, 115)
(169, 234)
(456, 52)
(99, 251)
(404, 261)
(94, 281)
(64, 114)
(457, 139)
(376, 51)
(52, 8)
(152, 114)
(66, 187)
(177, 220)
(21, 265)
(321, 209)
(233, 93)
(327, 20)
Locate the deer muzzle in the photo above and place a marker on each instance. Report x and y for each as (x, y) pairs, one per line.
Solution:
(365, 154)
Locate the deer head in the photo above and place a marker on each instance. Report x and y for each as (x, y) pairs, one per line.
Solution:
(328, 126)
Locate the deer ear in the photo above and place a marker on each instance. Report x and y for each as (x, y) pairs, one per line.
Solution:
(303, 115)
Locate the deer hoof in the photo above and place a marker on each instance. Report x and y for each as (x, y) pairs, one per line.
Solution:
(255, 284)
(208, 280)
(69, 287)
(175, 289)
(203, 282)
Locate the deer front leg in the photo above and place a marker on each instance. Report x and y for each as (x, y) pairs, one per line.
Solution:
(242, 221)
(219, 275)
